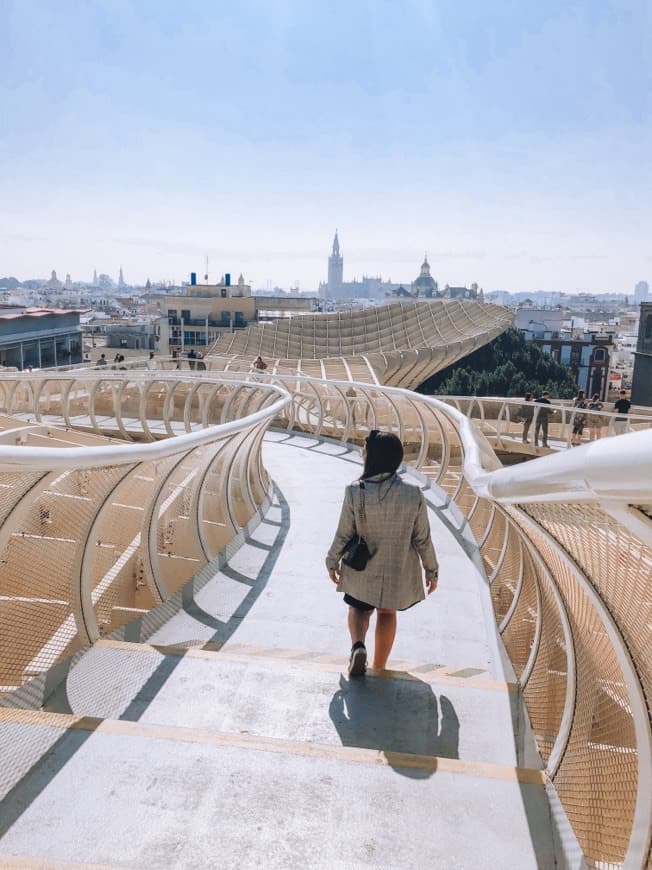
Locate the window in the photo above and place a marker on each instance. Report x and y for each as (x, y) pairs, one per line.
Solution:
(172, 312)
(223, 292)
(598, 355)
(185, 313)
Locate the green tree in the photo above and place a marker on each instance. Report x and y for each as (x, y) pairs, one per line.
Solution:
(507, 366)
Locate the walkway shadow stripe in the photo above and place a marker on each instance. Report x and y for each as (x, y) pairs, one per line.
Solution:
(122, 727)
(445, 675)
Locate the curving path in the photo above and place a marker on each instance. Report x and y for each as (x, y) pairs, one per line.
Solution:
(225, 734)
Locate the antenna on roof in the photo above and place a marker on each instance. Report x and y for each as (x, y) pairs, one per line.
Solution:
(206, 275)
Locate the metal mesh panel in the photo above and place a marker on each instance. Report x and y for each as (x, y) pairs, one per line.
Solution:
(620, 566)
(597, 777)
(506, 581)
(77, 556)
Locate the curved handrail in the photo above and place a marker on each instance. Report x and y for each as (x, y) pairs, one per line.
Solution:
(117, 455)
(568, 567)
(91, 536)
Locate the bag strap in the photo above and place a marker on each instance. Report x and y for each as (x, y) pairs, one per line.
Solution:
(362, 521)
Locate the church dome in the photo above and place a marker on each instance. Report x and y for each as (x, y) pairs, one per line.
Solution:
(425, 284)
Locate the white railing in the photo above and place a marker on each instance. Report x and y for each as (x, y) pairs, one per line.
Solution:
(566, 551)
(501, 420)
(568, 557)
(97, 532)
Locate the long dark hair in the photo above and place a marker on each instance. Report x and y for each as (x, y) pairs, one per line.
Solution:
(384, 454)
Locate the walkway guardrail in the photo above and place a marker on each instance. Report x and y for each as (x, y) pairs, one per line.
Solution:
(567, 549)
(503, 420)
(565, 541)
(95, 532)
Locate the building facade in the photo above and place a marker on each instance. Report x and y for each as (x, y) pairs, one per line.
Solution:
(196, 319)
(642, 378)
(39, 337)
(587, 355)
(641, 292)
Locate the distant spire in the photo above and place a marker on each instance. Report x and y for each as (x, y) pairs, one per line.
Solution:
(121, 279)
(95, 277)
(425, 266)
(336, 246)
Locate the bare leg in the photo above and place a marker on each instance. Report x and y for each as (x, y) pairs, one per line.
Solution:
(358, 623)
(384, 639)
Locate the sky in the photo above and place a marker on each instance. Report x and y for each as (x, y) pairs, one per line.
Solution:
(510, 139)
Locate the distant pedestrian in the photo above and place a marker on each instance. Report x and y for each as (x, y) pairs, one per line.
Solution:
(102, 360)
(392, 519)
(579, 420)
(542, 419)
(622, 406)
(595, 421)
(192, 359)
(201, 365)
(525, 414)
(260, 364)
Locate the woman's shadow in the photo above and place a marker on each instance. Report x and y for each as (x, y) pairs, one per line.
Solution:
(396, 716)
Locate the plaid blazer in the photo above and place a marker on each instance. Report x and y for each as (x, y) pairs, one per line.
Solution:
(397, 532)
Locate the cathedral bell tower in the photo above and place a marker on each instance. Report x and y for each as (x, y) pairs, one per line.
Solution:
(335, 269)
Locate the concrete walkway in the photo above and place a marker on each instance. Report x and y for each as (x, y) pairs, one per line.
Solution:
(233, 738)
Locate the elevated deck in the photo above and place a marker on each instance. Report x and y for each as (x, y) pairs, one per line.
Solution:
(225, 733)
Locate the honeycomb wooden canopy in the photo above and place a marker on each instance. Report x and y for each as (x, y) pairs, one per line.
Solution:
(399, 344)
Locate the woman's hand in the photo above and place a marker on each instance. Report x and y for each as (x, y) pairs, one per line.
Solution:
(431, 584)
(335, 574)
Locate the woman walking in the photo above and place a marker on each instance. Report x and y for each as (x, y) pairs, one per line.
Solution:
(392, 518)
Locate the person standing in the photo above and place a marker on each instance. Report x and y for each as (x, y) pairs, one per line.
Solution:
(595, 422)
(260, 364)
(392, 517)
(542, 419)
(622, 406)
(579, 420)
(525, 415)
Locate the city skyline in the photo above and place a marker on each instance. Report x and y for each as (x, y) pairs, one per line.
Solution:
(510, 143)
(215, 277)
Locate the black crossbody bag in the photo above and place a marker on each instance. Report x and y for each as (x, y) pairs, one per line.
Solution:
(356, 553)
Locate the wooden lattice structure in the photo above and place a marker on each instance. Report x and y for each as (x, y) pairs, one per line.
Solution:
(401, 344)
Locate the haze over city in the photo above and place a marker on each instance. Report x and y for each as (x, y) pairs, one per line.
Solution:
(510, 142)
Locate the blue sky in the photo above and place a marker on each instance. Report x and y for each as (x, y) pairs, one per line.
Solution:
(511, 140)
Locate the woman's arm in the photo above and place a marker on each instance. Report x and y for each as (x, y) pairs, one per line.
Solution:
(423, 543)
(344, 533)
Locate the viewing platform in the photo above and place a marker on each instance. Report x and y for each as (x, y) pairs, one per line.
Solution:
(231, 736)
(173, 687)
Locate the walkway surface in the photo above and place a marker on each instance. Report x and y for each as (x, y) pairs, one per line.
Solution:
(233, 738)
